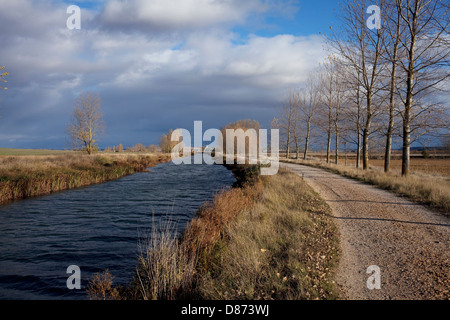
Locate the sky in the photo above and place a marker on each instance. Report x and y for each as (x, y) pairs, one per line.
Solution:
(156, 64)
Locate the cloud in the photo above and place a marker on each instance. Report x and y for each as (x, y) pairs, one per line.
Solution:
(176, 14)
(197, 69)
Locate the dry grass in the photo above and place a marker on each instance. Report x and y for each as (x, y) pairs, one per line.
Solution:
(429, 189)
(35, 152)
(284, 248)
(431, 166)
(101, 287)
(29, 176)
(166, 267)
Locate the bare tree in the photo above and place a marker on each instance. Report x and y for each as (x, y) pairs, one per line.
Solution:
(295, 100)
(165, 142)
(309, 104)
(361, 49)
(327, 78)
(332, 96)
(86, 122)
(392, 23)
(353, 113)
(244, 125)
(286, 121)
(425, 45)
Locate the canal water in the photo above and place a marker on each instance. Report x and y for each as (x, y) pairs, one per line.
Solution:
(96, 228)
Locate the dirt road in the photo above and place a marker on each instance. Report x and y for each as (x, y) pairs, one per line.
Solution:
(407, 242)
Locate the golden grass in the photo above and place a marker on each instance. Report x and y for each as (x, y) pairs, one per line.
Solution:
(430, 166)
(284, 248)
(428, 189)
(166, 268)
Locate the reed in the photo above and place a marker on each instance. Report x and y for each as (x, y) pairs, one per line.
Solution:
(30, 176)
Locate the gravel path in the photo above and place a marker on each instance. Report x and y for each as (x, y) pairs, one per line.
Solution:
(409, 243)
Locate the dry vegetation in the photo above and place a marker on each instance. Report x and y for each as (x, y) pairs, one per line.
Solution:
(421, 186)
(283, 248)
(436, 167)
(272, 239)
(28, 176)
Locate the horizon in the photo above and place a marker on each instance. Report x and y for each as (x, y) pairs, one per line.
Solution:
(154, 68)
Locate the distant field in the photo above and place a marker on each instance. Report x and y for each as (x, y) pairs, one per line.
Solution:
(31, 152)
(430, 166)
(434, 165)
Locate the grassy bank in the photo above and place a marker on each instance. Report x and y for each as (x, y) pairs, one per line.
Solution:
(29, 176)
(432, 190)
(271, 239)
(33, 152)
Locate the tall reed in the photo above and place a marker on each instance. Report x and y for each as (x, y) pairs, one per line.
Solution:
(29, 176)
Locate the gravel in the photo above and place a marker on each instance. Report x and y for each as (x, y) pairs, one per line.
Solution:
(407, 241)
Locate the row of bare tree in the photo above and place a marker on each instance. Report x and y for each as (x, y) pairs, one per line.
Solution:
(387, 82)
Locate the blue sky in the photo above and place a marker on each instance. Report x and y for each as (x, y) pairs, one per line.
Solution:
(157, 65)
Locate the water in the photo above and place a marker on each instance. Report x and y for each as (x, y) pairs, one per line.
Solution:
(96, 228)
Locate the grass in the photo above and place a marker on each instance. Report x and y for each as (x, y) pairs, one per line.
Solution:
(32, 152)
(437, 167)
(429, 189)
(29, 176)
(284, 248)
(271, 239)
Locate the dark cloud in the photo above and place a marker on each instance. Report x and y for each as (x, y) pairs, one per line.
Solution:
(149, 82)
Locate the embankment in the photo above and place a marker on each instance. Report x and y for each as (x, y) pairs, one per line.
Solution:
(30, 176)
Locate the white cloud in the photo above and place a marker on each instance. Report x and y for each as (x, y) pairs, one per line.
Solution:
(177, 14)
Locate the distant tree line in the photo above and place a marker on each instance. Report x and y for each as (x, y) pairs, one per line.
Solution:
(166, 144)
(139, 147)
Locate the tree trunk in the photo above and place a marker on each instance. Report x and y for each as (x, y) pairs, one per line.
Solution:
(388, 151)
(406, 146)
(358, 151)
(390, 132)
(337, 147)
(366, 132)
(366, 148)
(409, 97)
(329, 146)
(407, 121)
(308, 131)
(288, 145)
(358, 127)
